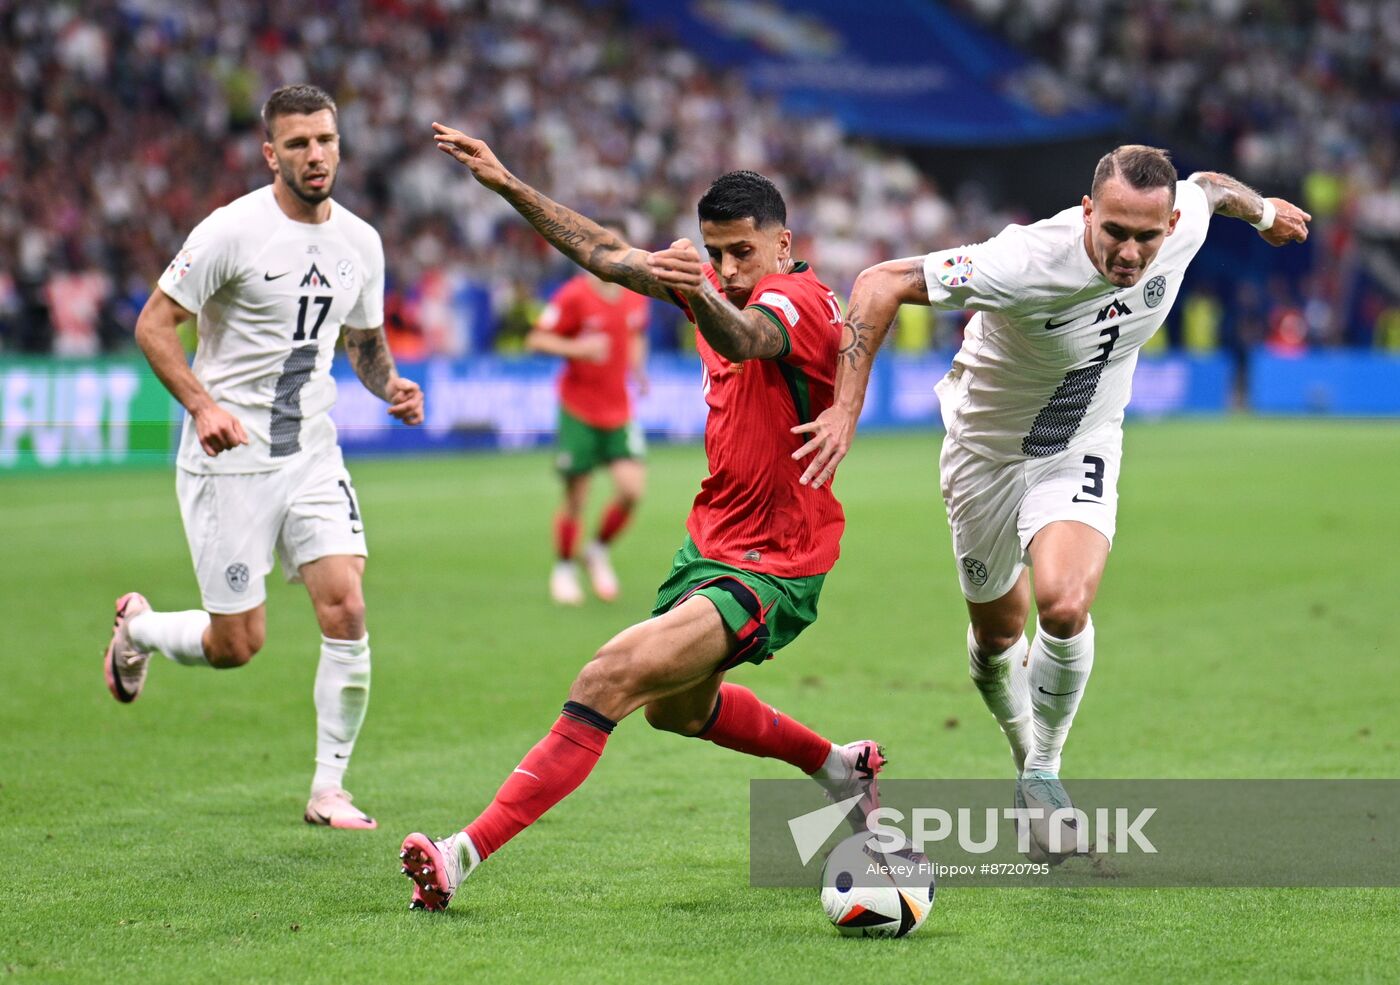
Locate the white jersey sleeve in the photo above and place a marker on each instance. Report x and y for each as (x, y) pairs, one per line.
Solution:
(368, 311)
(207, 261)
(979, 277)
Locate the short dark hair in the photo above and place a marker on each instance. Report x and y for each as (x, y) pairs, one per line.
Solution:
(295, 100)
(1142, 167)
(743, 195)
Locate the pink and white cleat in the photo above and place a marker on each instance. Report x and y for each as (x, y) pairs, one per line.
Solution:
(124, 662)
(564, 588)
(863, 760)
(437, 868)
(600, 571)
(332, 807)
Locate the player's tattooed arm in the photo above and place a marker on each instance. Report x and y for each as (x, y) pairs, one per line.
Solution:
(579, 238)
(1231, 197)
(735, 334)
(370, 359)
(369, 356)
(875, 300)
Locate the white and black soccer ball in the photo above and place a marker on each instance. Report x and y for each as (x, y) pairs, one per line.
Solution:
(870, 893)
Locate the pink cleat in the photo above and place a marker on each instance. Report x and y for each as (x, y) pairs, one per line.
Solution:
(332, 808)
(437, 868)
(564, 587)
(124, 663)
(863, 760)
(600, 572)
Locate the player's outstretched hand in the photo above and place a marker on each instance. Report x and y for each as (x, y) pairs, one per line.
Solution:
(218, 430)
(405, 400)
(831, 433)
(679, 267)
(1290, 224)
(474, 154)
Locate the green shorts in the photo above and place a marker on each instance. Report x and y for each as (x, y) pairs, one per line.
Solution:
(582, 447)
(765, 612)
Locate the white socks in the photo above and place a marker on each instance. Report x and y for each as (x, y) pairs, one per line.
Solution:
(178, 635)
(342, 694)
(1001, 678)
(1059, 670)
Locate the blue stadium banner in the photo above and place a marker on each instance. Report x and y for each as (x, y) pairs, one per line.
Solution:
(905, 70)
(507, 403)
(1347, 382)
(82, 414)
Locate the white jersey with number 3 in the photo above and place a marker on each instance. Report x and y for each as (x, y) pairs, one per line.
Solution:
(272, 295)
(1047, 361)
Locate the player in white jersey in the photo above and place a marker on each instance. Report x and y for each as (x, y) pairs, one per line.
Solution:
(1034, 411)
(275, 277)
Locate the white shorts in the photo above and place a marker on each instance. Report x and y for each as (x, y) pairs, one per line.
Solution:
(996, 508)
(304, 511)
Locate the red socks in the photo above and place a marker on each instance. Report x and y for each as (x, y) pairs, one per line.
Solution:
(565, 536)
(549, 772)
(744, 723)
(615, 517)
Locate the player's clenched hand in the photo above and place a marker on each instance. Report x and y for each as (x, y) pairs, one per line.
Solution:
(679, 267)
(405, 400)
(831, 433)
(474, 154)
(1290, 224)
(218, 430)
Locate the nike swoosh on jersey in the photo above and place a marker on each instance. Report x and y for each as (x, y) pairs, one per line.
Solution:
(1050, 324)
(1076, 499)
(270, 277)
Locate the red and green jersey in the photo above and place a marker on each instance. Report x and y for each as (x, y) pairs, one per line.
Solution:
(752, 512)
(596, 393)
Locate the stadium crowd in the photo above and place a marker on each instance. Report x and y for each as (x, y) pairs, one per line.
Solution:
(1294, 96)
(121, 124)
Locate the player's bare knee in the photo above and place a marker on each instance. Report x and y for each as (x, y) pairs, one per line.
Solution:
(343, 618)
(230, 653)
(1065, 615)
(993, 640)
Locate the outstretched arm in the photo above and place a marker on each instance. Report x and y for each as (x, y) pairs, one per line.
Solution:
(1277, 220)
(374, 365)
(875, 300)
(577, 237)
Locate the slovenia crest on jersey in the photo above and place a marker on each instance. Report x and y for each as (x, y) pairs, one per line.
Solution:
(956, 271)
(1154, 291)
(345, 272)
(180, 265)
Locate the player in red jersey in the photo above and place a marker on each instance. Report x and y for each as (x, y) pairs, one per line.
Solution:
(746, 580)
(599, 328)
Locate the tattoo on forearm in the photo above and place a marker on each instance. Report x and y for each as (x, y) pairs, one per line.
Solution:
(558, 229)
(370, 358)
(855, 339)
(733, 334)
(1229, 196)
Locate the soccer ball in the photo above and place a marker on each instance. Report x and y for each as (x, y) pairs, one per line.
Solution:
(870, 893)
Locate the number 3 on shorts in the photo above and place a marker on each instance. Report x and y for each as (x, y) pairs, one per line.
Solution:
(1094, 473)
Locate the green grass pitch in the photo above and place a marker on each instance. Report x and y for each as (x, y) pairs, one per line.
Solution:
(1246, 628)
